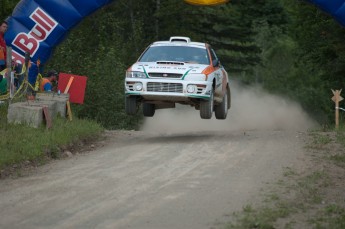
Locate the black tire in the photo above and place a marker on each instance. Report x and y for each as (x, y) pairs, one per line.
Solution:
(221, 110)
(206, 108)
(131, 105)
(149, 109)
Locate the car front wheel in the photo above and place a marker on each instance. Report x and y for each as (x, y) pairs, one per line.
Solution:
(221, 110)
(206, 108)
(131, 105)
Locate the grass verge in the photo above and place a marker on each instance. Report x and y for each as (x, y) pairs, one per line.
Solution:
(20, 143)
(313, 198)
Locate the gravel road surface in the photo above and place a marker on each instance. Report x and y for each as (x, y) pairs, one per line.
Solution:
(178, 172)
(145, 180)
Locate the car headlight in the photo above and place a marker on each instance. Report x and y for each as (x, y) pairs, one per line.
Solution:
(138, 86)
(191, 88)
(131, 74)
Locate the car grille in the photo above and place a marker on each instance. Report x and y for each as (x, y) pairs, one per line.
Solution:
(165, 75)
(165, 87)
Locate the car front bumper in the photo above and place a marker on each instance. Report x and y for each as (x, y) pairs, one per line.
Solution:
(172, 90)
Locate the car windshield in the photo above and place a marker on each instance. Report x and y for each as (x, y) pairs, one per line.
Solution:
(175, 53)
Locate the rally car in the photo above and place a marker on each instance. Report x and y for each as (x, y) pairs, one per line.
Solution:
(178, 71)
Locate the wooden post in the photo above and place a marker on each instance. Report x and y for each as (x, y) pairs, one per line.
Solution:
(9, 66)
(26, 73)
(69, 111)
(337, 98)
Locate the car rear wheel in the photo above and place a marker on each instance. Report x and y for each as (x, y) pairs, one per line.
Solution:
(131, 105)
(206, 108)
(148, 109)
(221, 110)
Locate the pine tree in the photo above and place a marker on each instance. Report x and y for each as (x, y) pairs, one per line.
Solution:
(231, 29)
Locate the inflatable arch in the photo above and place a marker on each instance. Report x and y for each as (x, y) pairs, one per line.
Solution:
(37, 26)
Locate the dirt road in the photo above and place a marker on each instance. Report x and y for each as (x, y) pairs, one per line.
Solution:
(190, 175)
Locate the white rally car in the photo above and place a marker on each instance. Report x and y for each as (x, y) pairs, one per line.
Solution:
(178, 71)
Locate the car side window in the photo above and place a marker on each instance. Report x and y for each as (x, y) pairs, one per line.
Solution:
(213, 55)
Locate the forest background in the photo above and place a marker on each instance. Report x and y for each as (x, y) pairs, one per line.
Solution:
(288, 47)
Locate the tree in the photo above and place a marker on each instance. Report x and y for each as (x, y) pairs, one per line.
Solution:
(232, 30)
(6, 8)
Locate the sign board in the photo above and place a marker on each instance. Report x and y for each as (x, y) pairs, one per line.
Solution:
(75, 88)
(336, 96)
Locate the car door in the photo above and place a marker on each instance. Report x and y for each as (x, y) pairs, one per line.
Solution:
(218, 74)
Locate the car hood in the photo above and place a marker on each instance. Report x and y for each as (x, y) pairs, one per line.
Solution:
(169, 67)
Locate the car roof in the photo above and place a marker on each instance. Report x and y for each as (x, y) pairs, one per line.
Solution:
(180, 41)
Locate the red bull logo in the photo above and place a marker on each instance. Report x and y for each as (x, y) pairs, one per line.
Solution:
(29, 42)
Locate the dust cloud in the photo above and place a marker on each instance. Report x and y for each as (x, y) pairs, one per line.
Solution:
(251, 109)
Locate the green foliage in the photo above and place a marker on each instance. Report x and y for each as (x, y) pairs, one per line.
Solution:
(301, 58)
(225, 28)
(176, 18)
(6, 8)
(319, 58)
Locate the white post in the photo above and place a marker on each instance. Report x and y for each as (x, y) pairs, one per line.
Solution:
(12, 85)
